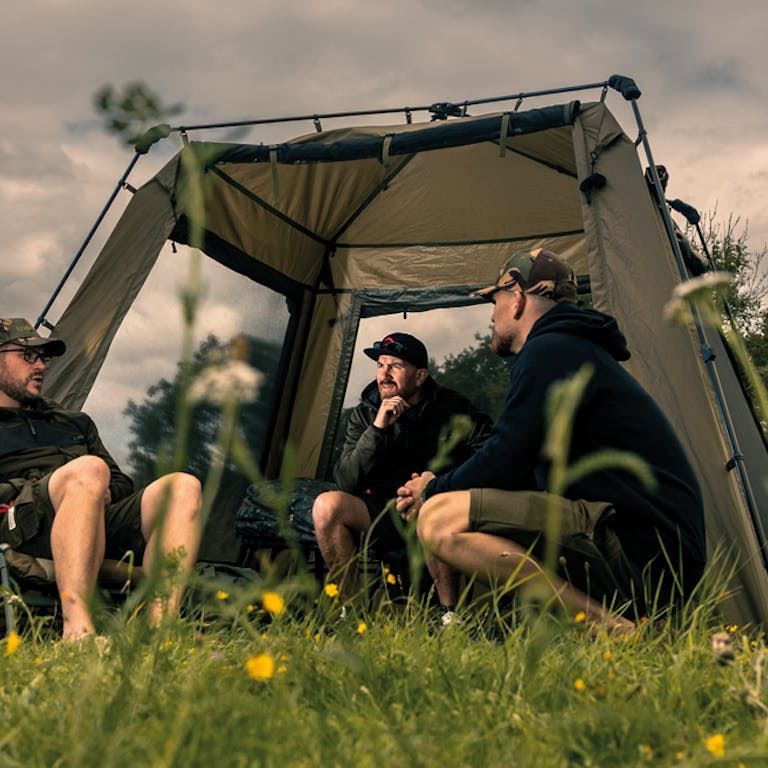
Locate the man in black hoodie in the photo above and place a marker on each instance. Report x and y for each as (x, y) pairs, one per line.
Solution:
(62, 496)
(400, 425)
(622, 540)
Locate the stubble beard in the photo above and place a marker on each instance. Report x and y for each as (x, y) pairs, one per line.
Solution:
(405, 393)
(16, 389)
(501, 346)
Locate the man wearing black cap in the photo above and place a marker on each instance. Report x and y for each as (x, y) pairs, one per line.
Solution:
(62, 496)
(397, 429)
(619, 534)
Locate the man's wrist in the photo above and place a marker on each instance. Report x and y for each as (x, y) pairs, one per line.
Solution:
(423, 495)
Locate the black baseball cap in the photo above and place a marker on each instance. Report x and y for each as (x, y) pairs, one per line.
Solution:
(401, 345)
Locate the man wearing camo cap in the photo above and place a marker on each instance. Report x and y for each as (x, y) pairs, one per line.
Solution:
(618, 535)
(62, 496)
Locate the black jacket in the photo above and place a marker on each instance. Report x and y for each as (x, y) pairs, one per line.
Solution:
(36, 441)
(378, 461)
(614, 413)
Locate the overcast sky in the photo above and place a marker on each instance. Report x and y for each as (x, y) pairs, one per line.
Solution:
(701, 67)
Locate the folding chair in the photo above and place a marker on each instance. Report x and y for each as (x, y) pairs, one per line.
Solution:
(33, 580)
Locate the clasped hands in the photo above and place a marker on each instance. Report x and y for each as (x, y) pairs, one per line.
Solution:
(408, 502)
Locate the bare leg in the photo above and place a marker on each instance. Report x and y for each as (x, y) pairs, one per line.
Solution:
(340, 518)
(445, 579)
(443, 529)
(78, 492)
(170, 523)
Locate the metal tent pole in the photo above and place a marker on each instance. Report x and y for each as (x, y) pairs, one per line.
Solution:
(41, 319)
(315, 117)
(737, 458)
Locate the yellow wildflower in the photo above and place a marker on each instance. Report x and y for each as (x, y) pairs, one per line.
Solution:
(331, 590)
(580, 617)
(579, 685)
(679, 756)
(260, 667)
(12, 643)
(607, 655)
(250, 608)
(362, 628)
(391, 579)
(716, 745)
(646, 750)
(273, 603)
(282, 669)
(222, 595)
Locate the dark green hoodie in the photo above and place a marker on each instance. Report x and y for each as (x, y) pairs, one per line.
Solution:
(35, 441)
(378, 461)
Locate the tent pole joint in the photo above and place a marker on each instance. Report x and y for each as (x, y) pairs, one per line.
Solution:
(736, 459)
(707, 354)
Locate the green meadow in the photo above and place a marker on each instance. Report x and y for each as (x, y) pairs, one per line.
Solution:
(270, 674)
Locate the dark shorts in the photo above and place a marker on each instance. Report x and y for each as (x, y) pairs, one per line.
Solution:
(590, 555)
(33, 516)
(385, 536)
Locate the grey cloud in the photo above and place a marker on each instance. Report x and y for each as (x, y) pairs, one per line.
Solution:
(720, 75)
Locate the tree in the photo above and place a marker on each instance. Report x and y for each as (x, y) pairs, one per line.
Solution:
(478, 374)
(152, 422)
(746, 298)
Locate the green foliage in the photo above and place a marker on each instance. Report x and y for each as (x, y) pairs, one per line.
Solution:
(131, 113)
(746, 297)
(478, 374)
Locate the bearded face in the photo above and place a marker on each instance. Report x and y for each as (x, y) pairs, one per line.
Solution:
(397, 377)
(20, 381)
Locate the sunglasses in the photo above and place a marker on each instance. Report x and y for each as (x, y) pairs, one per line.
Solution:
(30, 355)
(389, 347)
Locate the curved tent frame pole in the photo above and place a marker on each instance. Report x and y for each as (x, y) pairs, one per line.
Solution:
(42, 320)
(437, 109)
(736, 458)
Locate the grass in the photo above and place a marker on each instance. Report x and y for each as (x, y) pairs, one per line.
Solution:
(380, 688)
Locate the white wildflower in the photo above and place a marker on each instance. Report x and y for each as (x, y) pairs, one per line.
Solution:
(230, 381)
(698, 290)
(703, 285)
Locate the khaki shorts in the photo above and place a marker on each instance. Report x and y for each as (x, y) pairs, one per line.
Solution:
(590, 555)
(33, 516)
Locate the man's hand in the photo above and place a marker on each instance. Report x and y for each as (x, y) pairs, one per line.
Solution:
(408, 495)
(391, 409)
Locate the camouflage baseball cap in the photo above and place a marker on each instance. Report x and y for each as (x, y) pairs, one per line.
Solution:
(538, 272)
(21, 331)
